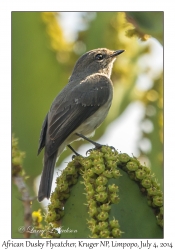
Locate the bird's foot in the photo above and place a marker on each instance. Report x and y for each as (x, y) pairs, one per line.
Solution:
(97, 145)
(112, 148)
(73, 150)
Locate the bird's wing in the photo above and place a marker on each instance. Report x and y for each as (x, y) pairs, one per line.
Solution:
(80, 103)
(43, 135)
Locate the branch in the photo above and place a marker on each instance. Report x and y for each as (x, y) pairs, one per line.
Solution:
(26, 200)
(18, 177)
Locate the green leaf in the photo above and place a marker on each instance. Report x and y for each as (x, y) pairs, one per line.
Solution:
(136, 218)
(75, 217)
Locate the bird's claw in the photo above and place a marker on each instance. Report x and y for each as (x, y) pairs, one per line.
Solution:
(112, 148)
(73, 156)
(97, 147)
(89, 150)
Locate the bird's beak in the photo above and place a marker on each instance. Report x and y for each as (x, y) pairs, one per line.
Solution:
(117, 52)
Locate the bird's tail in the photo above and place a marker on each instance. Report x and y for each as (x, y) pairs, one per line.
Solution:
(47, 176)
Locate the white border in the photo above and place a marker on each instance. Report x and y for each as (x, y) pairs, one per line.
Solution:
(5, 93)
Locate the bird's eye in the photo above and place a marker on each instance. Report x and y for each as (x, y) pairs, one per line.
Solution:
(99, 57)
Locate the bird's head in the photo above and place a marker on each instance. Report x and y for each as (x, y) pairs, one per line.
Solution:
(95, 61)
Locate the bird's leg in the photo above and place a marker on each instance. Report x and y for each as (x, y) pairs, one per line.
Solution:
(97, 145)
(71, 148)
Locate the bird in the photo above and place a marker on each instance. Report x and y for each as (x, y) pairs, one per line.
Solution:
(77, 110)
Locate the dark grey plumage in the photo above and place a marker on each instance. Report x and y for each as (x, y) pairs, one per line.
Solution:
(79, 108)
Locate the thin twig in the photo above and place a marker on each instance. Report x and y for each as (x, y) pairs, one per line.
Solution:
(26, 200)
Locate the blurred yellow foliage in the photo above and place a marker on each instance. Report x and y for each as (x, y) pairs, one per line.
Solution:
(55, 32)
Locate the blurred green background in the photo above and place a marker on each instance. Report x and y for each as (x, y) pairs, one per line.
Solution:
(42, 61)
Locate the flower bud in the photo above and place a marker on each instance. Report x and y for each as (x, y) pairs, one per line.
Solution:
(113, 188)
(123, 158)
(100, 188)
(94, 229)
(87, 163)
(101, 180)
(95, 154)
(92, 202)
(97, 161)
(90, 172)
(108, 174)
(92, 222)
(101, 196)
(114, 223)
(56, 204)
(116, 232)
(132, 166)
(140, 174)
(105, 207)
(102, 216)
(98, 169)
(111, 164)
(89, 186)
(104, 233)
(114, 198)
(113, 157)
(146, 182)
(62, 187)
(92, 211)
(90, 194)
(116, 173)
(102, 225)
(158, 201)
(70, 169)
(153, 191)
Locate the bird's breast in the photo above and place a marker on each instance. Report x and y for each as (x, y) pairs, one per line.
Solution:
(95, 120)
